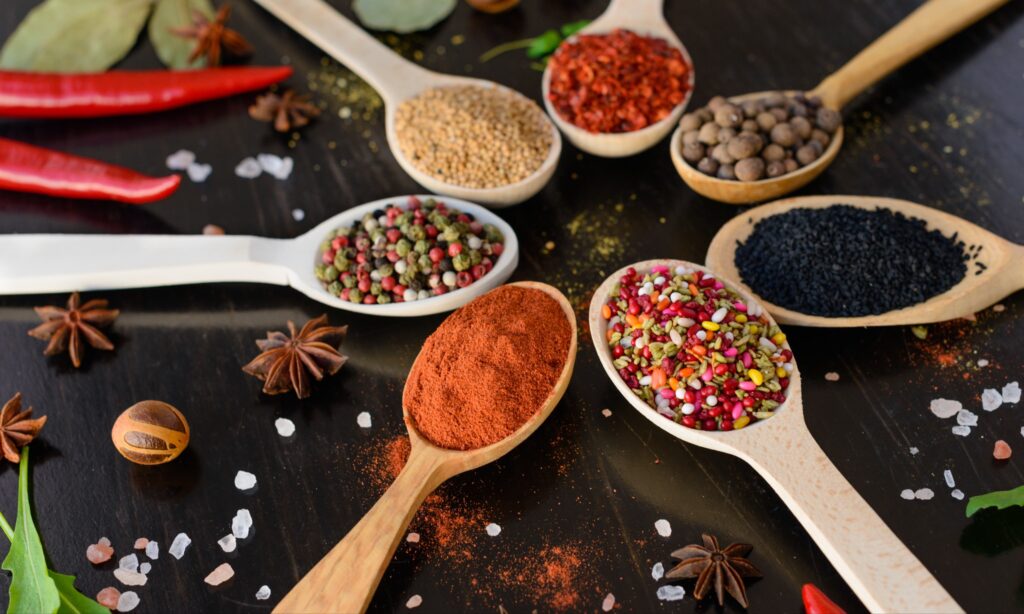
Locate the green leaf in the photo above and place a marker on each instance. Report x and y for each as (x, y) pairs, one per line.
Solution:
(543, 45)
(573, 27)
(32, 589)
(75, 35)
(999, 499)
(72, 601)
(173, 50)
(402, 16)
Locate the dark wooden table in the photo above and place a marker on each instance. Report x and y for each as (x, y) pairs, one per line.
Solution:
(586, 489)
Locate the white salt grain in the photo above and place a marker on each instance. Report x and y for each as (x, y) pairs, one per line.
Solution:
(957, 494)
(275, 165)
(924, 494)
(199, 172)
(364, 420)
(414, 602)
(606, 413)
(663, 527)
(128, 601)
(982, 362)
(493, 530)
(913, 450)
(248, 168)
(245, 480)
(130, 578)
(129, 563)
(1011, 393)
(658, 571)
(991, 399)
(948, 476)
(966, 417)
(180, 160)
(241, 524)
(298, 215)
(153, 550)
(907, 494)
(998, 307)
(145, 568)
(670, 592)
(178, 546)
(220, 575)
(285, 427)
(945, 408)
(831, 376)
(962, 431)
(228, 543)
(413, 538)
(264, 593)
(608, 603)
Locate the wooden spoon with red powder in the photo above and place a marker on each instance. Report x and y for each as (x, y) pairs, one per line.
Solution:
(483, 382)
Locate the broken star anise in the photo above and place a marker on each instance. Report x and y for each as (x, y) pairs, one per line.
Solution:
(708, 563)
(288, 110)
(214, 37)
(17, 429)
(287, 361)
(66, 328)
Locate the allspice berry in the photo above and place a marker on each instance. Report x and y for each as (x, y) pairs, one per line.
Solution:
(749, 169)
(783, 134)
(728, 116)
(150, 433)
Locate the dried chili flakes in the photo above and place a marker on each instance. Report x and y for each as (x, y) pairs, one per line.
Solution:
(617, 82)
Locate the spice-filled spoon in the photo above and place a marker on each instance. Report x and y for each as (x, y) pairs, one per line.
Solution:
(993, 270)
(447, 438)
(730, 372)
(43, 263)
(644, 17)
(932, 22)
(398, 81)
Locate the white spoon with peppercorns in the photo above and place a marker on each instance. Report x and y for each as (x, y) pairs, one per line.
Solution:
(642, 17)
(521, 172)
(729, 382)
(43, 263)
(784, 152)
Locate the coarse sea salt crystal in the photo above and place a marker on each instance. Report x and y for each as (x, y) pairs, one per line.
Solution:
(658, 571)
(180, 160)
(663, 527)
(671, 592)
(145, 568)
(414, 602)
(907, 494)
(103, 541)
(948, 476)
(129, 577)
(108, 597)
(153, 550)
(493, 530)
(277, 166)
(228, 543)
(832, 376)
(141, 543)
(298, 215)
(128, 601)
(991, 399)
(241, 524)
(413, 538)
(99, 553)
(914, 450)
(608, 603)
(178, 546)
(1011, 393)
(129, 563)
(220, 575)
(966, 417)
(606, 413)
(364, 420)
(982, 362)
(285, 427)
(263, 593)
(245, 480)
(199, 172)
(960, 430)
(924, 494)
(957, 494)
(945, 408)
(248, 168)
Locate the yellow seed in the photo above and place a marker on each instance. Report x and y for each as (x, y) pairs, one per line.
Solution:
(780, 372)
(741, 422)
(754, 329)
(755, 376)
(709, 325)
(779, 338)
(741, 318)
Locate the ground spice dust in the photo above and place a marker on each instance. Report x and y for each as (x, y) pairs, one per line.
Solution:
(488, 368)
(954, 344)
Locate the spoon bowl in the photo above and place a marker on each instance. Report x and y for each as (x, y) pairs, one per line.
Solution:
(784, 453)
(1001, 272)
(398, 80)
(38, 263)
(645, 17)
(346, 578)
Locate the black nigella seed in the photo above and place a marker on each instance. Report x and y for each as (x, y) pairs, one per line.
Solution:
(843, 261)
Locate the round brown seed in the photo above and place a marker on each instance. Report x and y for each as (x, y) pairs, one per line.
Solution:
(150, 433)
(750, 169)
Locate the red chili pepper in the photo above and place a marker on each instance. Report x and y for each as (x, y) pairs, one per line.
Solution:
(26, 168)
(50, 95)
(815, 601)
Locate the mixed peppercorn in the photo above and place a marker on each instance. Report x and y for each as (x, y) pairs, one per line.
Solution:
(400, 254)
(693, 350)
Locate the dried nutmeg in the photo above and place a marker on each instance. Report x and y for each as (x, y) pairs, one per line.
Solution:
(150, 433)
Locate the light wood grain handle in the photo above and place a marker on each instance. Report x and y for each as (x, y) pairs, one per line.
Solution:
(344, 581)
(880, 569)
(929, 25)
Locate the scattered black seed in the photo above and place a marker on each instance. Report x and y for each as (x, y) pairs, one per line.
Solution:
(848, 261)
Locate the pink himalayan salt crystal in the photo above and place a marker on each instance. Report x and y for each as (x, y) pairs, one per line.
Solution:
(99, 552)
(141, 543)
(108, 597)
(1002, 450)
(219, 576)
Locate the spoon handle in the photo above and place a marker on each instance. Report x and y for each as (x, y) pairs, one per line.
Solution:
(933, 22)
(31, 264)
(880, 569)
(346, 578)
(631, 14)
(392, 76)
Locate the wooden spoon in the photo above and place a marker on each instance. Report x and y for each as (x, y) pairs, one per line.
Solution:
(643, 17)
(397, 80)
(929, 25)
(880, 569)
(345, 579)
(981, 287)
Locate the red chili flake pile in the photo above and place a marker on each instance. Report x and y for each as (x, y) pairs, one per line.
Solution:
(617, 82)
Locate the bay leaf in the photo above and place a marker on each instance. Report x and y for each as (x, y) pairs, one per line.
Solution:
(75, 35)
(32, 589)
(172, 49)
(402, 16)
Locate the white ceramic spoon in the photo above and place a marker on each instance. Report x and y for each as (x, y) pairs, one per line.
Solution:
(880, 569)
(644, 17)
(43, 263)
(397, 80)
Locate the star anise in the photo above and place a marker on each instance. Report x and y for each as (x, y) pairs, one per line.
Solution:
(214, 37)
(17, 429)
(287, 111)
(287, 361)
(725, 567)
(65, 328)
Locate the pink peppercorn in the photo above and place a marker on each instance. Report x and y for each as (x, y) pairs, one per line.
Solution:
(454, 249)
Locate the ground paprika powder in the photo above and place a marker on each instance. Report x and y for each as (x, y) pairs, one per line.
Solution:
(488, 368)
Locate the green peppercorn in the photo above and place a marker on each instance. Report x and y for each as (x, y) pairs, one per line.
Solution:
(318, 270)
(403, 247)
(375, 288)
(425, 263)
(350, 281)
(421, 246)
(355, 296)
(325, 246)
(340, 261)
(331, 273)
(334, 288)
(417, 233)
(384, 299)
(386, 270)
(461, 262)
(450, 234)
(475, 257)
(493, 234)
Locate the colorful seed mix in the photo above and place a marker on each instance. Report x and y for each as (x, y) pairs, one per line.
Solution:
(401, 254)
(693, 350)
